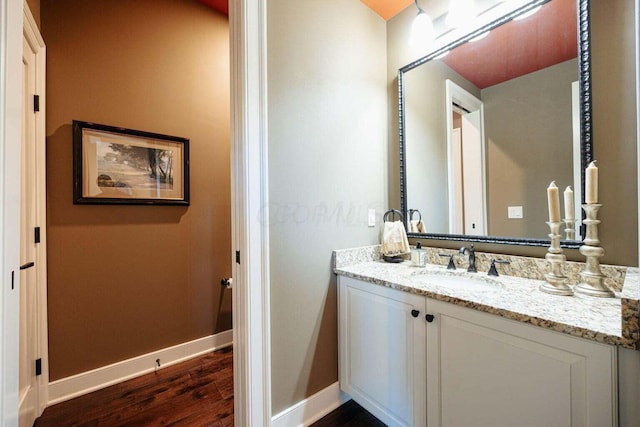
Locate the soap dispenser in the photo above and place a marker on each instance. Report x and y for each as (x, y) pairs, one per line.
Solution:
(419, 256)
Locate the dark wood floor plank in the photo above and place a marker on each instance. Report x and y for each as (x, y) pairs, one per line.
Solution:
(349, 415)
(155, 403)
(195, 393)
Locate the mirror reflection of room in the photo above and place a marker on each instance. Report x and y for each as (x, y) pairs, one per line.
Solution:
(489, 125)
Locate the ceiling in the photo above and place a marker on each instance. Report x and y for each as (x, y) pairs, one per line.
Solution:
(519, 47)
(387, 9)
(221, 6)
(512, 50)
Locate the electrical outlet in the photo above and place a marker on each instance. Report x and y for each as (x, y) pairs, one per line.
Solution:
(372, 217)
(514, 212)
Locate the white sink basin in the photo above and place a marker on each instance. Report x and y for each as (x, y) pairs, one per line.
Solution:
(458, 280)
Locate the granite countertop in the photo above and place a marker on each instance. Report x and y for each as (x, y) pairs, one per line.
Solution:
(606, 320)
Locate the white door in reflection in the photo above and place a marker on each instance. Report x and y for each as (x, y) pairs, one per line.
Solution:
(466, 152)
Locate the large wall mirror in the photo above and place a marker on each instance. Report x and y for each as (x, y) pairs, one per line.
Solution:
(485, 128)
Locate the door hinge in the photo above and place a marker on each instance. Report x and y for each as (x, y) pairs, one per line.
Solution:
(38, 367)
(13, 280)
(36, 103)
(237, 257)
(36, 235)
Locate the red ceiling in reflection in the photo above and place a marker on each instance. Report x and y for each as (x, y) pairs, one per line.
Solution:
(519, 47)
(219, 5)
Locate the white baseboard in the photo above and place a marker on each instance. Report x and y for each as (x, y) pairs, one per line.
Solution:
(86, 382)
(311, 409)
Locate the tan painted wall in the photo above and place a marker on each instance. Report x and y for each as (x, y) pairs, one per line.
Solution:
(529, 144)
(615, 123)
(327, 167)
(34, 7)
(127, 280)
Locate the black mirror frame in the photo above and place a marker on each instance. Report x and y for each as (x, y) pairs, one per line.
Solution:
(586, 143)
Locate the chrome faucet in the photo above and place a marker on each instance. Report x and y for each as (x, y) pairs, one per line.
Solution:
(472, 258)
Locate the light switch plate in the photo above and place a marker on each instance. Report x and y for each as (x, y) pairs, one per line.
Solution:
(514, 212)
(372, 217)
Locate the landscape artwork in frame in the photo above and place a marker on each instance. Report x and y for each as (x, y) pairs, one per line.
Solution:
(114, 165)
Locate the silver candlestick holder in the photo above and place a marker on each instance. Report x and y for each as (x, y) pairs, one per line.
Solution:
(592, 278)
(556, 280)
(569, 229)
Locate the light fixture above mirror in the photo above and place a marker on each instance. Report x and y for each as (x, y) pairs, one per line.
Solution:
(461, 13)
(422, 33)
(449, 20)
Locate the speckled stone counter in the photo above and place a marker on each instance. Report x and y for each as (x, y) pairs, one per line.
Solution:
(606, 320)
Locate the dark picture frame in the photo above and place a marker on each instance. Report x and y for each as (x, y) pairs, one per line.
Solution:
(114, 165)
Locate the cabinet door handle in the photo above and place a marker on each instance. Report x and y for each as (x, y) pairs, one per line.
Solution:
(429, 318)
(415, 313)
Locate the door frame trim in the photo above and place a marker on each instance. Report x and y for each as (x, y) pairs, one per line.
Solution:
(455, 92)
(10, 145)
(250, 233)
(252, 385)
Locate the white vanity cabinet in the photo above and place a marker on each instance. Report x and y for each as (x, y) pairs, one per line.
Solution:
(485, 370)
(382, 347)
(465, 367)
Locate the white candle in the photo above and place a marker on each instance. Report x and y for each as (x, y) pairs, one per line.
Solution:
(554, 202)
(569, 204)
(591, 183)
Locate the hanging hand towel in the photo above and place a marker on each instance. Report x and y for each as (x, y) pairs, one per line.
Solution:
(394, 239)
(416, 226)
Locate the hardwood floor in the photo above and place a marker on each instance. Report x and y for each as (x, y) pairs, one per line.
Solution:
(350, 414)
(198, 392)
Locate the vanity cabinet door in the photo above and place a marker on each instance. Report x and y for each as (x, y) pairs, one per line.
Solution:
(484, 370)
(382, 351)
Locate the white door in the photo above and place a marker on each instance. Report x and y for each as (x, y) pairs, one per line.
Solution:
(28, 283)
(32, 387)
(458, 200)
(473, 174)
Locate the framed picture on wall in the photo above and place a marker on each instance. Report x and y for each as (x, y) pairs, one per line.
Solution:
(113, 165)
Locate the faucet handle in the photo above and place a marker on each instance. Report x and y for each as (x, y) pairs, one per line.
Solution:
(451, 265)
(492, 269)
(470, 249)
